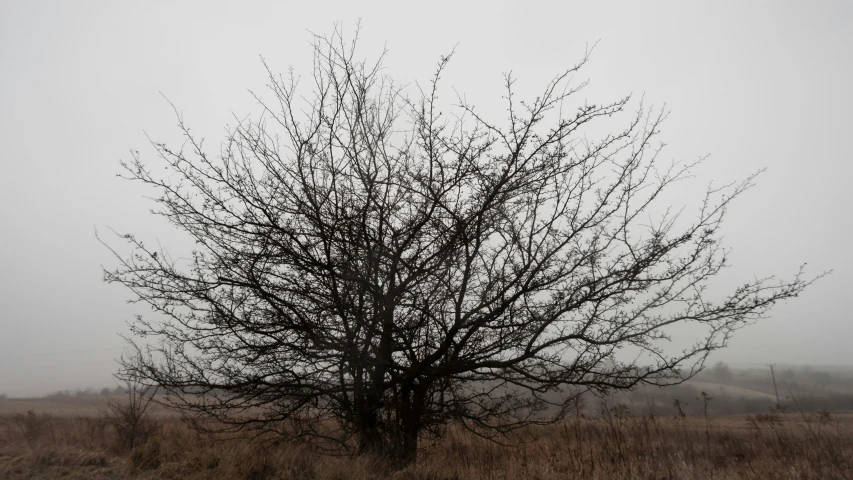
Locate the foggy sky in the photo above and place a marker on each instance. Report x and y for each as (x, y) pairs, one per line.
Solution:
(753, 84)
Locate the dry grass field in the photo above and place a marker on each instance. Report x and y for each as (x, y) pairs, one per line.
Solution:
(78, 442)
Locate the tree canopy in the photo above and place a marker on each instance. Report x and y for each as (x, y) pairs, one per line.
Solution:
(369, 270)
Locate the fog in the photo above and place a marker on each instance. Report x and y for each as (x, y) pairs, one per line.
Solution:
(757, 84)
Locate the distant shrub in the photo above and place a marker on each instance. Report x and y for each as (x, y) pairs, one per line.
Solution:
(32, 425)
(722, 372)
(60, 395)
(88, 392)
(765, 418)
(132, 417)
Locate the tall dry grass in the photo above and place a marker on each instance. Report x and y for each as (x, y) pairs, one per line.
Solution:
(604, 444)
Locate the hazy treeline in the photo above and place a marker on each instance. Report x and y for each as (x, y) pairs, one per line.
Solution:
(78, 393)
(794, 378)
(87, 392)
(730, 390)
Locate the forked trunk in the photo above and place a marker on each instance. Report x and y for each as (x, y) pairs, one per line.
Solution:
(370, 439)
(398, 441)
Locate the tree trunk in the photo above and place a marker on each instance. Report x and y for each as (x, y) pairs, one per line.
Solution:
(408, 447)
(408, 426)
(370, 437)
(398, 441)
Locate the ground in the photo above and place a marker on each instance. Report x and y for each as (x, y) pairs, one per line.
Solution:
(71, 438)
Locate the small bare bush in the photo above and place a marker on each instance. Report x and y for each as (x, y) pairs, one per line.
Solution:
(132, 417)
(32, 425)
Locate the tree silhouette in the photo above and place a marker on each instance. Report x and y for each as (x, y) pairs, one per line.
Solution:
(369, 270)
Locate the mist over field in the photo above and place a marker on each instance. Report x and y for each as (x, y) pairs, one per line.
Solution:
(735, 389)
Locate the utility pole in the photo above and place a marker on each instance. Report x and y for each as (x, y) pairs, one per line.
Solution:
(774, 383)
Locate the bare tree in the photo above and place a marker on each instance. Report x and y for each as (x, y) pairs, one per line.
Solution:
(369, 270)
(132, 417)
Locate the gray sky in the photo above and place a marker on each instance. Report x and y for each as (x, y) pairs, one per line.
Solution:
(753, 84)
